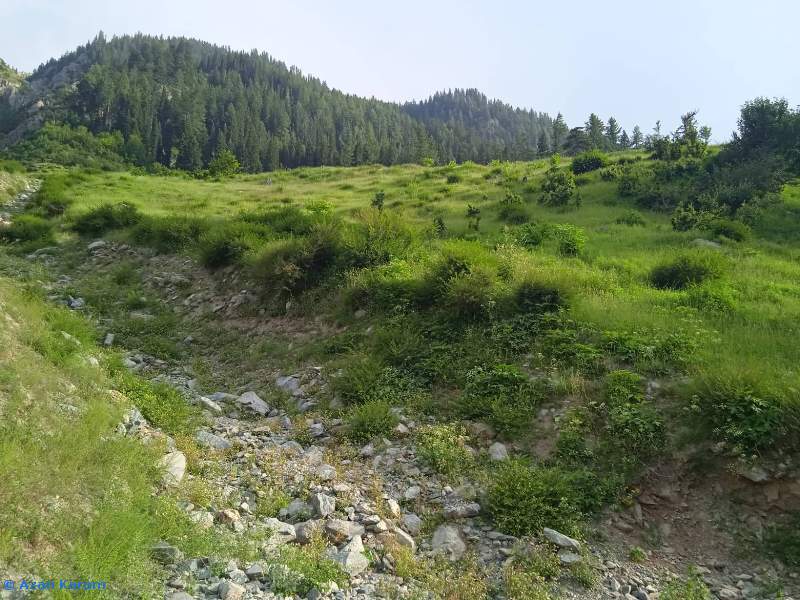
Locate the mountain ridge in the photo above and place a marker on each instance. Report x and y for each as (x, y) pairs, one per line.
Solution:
(177, 101)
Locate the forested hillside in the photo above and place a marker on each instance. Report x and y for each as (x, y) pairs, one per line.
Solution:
(178, 101)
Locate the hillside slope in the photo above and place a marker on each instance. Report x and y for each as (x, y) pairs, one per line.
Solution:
(177, 101)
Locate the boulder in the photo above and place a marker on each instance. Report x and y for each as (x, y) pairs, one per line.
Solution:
(447, 541)
(322, 504)
(351, 558)
(210, 440)
(174, 465)
(340, 531)
(498, 452)
(561, 540)
(412, 523)
(229, 590)
(252, 401)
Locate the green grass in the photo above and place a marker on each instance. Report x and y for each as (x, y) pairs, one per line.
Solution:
(488, 322)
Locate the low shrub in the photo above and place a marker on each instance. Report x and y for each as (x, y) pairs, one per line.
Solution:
(571, 239)
(692, 588)
(168, 234)
(623, 387)
(470, 296)
(513, 213)
(629, 182)
(443, 447)
(106, 217)
(610, 173)
(369, 420)
(782, 540)
(631, 218)
(522, 499)
(590, 160)
(742, 413)
(732, 230)
(220, 250)
(531, 235)
(159, 403)
(716, 299)
(453, 178)
(532, 296)
(502, 395)
(687, 270)
(27, 228)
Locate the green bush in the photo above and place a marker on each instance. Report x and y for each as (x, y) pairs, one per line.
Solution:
(443, 447)
(733, 230)
(631, 218)
(571, 239)
(590, 160)
(513, 213)
(453, 178)
(629, 182)
(106, 217)
(531, 235)
(369, 420)
(502, 395)
(623, 387)
(717, 299)
(161, 404)
(470, 296)
(558, 186)
(220, 250)
(168, 234)
(532, 296)
(286, 219)
(742, 413)
(686, 270)
(610, 173)
(691, 588)
(523, 499)
(27, 228)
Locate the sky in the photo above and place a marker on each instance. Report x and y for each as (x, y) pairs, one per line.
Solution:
(638, 61)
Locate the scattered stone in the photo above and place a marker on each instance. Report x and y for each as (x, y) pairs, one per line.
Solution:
(568, 558)
(339, 531)
(282, 533)
(228, 590)
(351, 557)
(165, 553)
(393, 508)
(228, 516)
(462, 511)
(108, 340)
(210, 440)
(209, 404)
(756, 474)
(405, 539)
(447, 540)
(174, 465)
(498, 452)
(252, 401)
(255, 571)
(412, 493)
(323, 504)
(561, 540)
(96, 245)
(412, 523)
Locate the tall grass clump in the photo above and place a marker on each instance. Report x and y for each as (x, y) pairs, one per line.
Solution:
(686, 270)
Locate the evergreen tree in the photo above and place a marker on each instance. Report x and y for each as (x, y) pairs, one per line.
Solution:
(560, 132)
(612, 132)
(595, 132)
(624, 140)
(637, 139)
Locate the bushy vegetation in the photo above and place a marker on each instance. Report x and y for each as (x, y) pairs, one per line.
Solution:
(589, 161)
(27, 228)
(686, 270)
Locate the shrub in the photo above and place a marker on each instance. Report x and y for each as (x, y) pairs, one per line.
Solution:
(522, 499)
(610, 173)
(558, 187)
(443, 447)
(106, 217)
(470, 296)
(623, 387)
(631, 218)
(160, 404)
(629, 182)
(224, 164)
(733, 230)
(531, 235)
(686, 270)
(453, 178)
(716, 299)
(532, 296)
(168, 234)
(370, 419)
(691, 588)
(379, 199)
(503, 395)
(782, 540)
(571, 239)
(220, 250)
(513, 213)
(590, 160)
(741, 413)
(27, 228)
(286, 219)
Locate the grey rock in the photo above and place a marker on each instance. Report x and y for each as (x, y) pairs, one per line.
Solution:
(165, 553)
(326, 472)
(281, 533)
(109, 339)
(96, 245)
(306, 530)
(462, 511)
(568, 558)
(561, 540)
(412, 523)
(447, 540)
(756, 474)
(210, 440)
(228, 590)
(340, 531)
(405, 539)
(351, 558)
(255, 571)
(498, 452)
(298, 509)
(323, 504)
(209, 404)
(412, 493)
(174, 465)
(289, 384)
(252, 401)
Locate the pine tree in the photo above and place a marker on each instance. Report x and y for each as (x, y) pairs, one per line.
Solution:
(612, 132)
(560, 131)
(637, 139)
(624, 140)
(595, 132)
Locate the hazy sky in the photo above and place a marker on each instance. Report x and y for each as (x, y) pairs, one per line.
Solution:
(637, 60)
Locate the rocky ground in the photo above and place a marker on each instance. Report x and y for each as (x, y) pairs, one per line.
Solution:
(374, 505)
